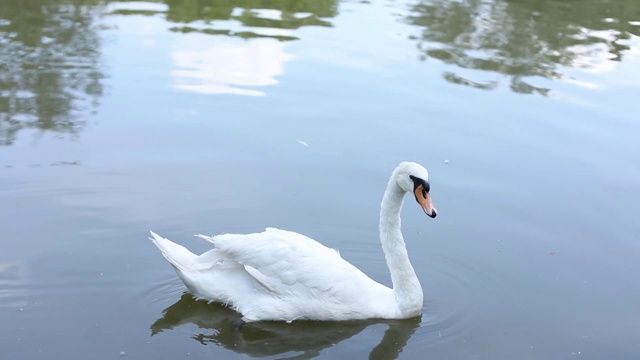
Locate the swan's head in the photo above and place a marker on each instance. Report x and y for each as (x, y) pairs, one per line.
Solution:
(413, 177)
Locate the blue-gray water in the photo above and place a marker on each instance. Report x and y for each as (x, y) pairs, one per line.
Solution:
(207, 117)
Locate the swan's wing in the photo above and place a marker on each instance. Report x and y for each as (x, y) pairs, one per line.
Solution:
(281, 260)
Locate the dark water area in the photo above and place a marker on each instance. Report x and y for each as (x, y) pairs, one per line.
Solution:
(187, 117)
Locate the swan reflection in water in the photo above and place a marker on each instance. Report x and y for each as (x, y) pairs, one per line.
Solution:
(299, 339)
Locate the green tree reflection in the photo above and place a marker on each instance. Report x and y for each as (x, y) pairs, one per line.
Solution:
(290, 15)
(49, 73)
(524, 38)
(208, 10)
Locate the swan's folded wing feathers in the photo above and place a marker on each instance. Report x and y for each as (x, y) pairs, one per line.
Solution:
(272, 245)
(280, 259)
(261, 278)
(214, 259)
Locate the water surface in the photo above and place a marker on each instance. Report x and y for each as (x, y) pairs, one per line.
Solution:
(117, 117)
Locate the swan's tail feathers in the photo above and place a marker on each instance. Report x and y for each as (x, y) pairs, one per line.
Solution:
(181, 258)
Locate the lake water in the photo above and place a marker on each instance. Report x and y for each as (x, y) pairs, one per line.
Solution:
(210, 117)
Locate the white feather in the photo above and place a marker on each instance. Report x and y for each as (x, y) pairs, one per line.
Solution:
(283, 275)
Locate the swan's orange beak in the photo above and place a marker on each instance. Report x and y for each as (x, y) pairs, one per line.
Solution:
(424, 199)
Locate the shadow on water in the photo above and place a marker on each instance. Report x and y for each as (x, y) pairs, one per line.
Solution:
(524, 39)
(255, 14)
(299, 340)
(50, 76)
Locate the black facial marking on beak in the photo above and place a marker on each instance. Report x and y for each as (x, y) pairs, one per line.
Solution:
(417, 182)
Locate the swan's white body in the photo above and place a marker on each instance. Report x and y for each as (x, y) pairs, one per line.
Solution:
(283, 275)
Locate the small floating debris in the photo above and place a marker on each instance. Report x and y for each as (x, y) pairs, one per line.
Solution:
(551, 253)
(446, 161)
(121, 353)
(303, 143)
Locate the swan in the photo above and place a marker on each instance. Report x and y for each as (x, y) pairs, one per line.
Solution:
(282, 275)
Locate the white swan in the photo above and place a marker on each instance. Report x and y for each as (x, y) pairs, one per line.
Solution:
(283, 275)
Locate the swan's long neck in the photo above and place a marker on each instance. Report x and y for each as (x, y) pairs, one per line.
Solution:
(406, 287)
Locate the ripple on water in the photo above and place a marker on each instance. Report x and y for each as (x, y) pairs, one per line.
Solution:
(165, 291)
(13, 285)
(454, 292)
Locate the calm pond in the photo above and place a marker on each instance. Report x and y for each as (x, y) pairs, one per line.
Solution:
(187, 117)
